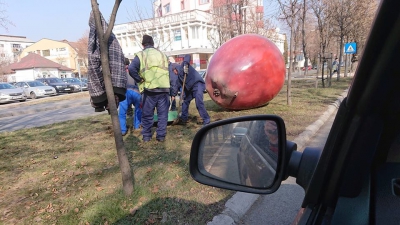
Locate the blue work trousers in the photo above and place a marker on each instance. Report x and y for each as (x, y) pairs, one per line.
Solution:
(152, 100)
(197, 94)
(132, 97)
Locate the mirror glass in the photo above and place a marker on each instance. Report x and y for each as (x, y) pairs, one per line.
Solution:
(244, 153)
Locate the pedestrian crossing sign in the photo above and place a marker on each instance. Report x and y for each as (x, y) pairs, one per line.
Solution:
(350, 48)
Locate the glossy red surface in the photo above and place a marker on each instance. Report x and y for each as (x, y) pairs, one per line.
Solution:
(248, 71)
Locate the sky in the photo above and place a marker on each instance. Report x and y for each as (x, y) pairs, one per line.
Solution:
(64, 19)
(60, 19)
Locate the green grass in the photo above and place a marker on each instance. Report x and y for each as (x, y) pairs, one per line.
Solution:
(68, 173)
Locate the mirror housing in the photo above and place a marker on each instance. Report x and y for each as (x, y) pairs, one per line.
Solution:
(290, 162)
(199, 173)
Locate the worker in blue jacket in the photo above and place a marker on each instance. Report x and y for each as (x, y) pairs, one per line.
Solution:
(193, 89)
(172, 79)
(132, 97)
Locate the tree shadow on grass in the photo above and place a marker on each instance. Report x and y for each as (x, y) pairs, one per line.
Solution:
(173, 211)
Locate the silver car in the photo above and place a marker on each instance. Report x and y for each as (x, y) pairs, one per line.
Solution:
(9, 93)
(36, 89)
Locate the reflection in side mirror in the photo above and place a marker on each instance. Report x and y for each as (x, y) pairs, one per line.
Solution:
(244, 153)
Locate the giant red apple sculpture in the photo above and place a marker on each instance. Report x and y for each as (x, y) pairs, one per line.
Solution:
(246, 72)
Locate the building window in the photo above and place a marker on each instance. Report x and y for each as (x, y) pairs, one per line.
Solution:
(60, 49)
(45, 53)
(177, 35)
(16, 45)
(2, 45)
(195, 32)
(167, 8)
(182, 5)
(204, 1)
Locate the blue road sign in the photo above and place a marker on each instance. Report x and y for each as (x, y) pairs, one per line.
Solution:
(350, 48)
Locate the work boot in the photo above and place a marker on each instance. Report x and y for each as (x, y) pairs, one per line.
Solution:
(179, 122)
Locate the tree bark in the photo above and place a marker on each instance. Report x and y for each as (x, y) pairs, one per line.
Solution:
(126, 171)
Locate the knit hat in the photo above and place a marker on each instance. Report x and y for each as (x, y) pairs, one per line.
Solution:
(147, 40)
(126, 61)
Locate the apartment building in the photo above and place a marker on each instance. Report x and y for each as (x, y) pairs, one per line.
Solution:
(196, 27)
(61, 52)
(11, 47)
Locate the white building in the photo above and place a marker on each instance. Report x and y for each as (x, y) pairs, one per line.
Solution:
(12, 46)
(35, 66)
(182, 27)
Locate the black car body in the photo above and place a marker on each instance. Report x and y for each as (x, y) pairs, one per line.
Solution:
(257, 161)
(355, 178)
(58, 84)
(77, 84)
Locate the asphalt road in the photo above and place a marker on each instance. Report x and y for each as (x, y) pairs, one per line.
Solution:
(17, 116)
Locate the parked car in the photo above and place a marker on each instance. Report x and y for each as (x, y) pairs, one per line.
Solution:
(9, 93)
(355, 177)
(36, 89)
(84, 80)
(58, 84)
(12, 83)
(237, 134)
(77, 84)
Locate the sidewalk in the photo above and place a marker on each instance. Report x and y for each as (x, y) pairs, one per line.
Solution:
(240, 203)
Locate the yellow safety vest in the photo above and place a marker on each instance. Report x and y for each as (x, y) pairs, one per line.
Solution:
(153, 69)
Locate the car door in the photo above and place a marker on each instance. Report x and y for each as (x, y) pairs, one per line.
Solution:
(355, 179)
(22, 86)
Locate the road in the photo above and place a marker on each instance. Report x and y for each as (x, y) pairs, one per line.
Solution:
(14, 117)
(281, 207)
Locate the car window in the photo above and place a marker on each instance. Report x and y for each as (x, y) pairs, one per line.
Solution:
(6, 86)
(35, 84)
(54, 80)
(74, 80)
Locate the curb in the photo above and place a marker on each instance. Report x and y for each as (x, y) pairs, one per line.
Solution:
(237, 206)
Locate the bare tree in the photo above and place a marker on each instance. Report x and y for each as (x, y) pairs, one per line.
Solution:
(145, 23)
(4, 21)
(360, 25)
(289, 10)
(303, 18)
(81, 50)
(61, 60)
(103, 36)
(233, 18)
(322, 17)
(4, 71)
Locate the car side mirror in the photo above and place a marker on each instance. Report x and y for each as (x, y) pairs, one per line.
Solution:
(250, 154)
(246, 154)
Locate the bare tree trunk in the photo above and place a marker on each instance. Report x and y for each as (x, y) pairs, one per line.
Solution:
(289, 80)
(303, 32)
(126, 171)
